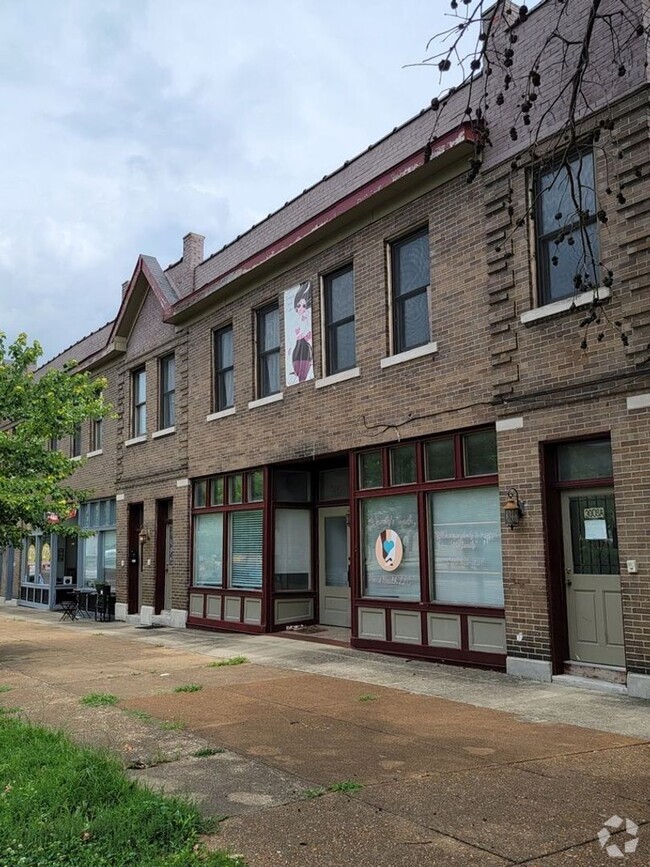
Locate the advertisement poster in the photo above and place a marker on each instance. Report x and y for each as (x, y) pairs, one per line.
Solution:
(299, 365)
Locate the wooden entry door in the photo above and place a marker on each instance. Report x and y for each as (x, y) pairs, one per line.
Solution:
(593, 583)
(136, 517)
(334, 565)
(163, 590)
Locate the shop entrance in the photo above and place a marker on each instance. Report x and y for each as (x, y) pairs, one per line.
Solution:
(334, 565)
(592, 580)
(164, 526)
(136, 517)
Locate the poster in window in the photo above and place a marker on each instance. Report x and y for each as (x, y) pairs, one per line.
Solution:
(299, 365)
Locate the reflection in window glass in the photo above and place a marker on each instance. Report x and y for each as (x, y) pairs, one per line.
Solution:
(439, 459)
(333, 484)
(480, 453)
(246, 550)
(216, 491)
(200, 494)
(400, 515)
(466, 546)
(292, 549)
(402, 465)
(255, 486)
(90, 560)
(370, 470)
(109, 554)
(585, 460)
(235, 488)
(292, 486)
(208, 550)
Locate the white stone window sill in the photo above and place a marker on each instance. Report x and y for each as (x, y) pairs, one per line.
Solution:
(95, 454)
(165, 432)
(135, 440)
(263, 401)
(410, 354)
(223, 413)
(555, 308)
(338, 377)
(75, 457)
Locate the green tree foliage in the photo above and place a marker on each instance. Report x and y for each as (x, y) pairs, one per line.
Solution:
(35, 409)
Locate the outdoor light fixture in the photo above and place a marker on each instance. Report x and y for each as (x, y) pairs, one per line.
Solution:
(143, 536)
(513, 509)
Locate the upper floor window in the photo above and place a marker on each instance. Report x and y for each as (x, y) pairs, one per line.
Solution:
(224, 378)
(75, 442)
(338, 297)
(566, 228)
(53, 444)
(268, 350)
(410, 291)
(167, 392)
(96, 434)
(138, 402)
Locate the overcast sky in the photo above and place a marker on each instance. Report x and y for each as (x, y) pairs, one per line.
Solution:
(128, 123)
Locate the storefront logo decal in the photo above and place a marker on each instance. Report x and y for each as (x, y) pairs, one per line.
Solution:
(389, 550)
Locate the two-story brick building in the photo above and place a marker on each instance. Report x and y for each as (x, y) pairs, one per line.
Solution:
(326, 421)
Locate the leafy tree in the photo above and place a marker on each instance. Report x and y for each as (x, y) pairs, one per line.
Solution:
(35, 411)
(555, 94)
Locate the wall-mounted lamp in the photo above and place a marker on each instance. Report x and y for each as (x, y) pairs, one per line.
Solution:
(513, 509)
(143, 536)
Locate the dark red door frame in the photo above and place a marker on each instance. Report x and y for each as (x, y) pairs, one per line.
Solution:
(135, 521)
(163, 519)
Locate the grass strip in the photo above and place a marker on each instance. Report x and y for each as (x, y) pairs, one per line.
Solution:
(67, 806)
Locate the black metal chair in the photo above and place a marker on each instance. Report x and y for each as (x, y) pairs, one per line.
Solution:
(103, 600)
(69, 608)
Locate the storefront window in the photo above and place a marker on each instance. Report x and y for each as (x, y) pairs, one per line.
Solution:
(246, 550)
(439, 459)
(99, 551)
(391, 559)
(208, 550)
(292, 549)
(333, 485)
(30, 572)
(216, 491)
(90, 560)
(292, 486)
(465, 538)
(480, 450)
(370, 470)
(255, 486)
(235, 488)
(200, 494)
(403, 469)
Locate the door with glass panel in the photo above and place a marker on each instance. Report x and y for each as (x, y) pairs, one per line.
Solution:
(593, 584)
(334, 565)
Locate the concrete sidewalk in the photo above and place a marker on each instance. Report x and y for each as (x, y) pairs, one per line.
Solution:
(329, 756)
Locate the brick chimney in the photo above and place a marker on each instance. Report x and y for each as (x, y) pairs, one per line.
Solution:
(193, 250)
(508, 13)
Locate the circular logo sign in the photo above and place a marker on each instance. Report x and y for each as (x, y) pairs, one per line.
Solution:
(389, 550)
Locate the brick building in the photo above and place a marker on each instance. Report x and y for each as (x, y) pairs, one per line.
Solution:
(323, 422)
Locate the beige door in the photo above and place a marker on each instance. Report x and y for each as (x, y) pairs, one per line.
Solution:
(334, 565)
(593, 584)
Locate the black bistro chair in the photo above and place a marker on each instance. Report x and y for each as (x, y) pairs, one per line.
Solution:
(103, 602)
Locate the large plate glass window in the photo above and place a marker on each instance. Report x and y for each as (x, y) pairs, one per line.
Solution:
(293, 549)
(208, 550)
(390, 533)
(465, 543)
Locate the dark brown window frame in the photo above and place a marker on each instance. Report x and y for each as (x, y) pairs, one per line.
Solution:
(262, 354)
(220, 370)
(397, 301)
(135, 404)
(331, 327)
(166, 406)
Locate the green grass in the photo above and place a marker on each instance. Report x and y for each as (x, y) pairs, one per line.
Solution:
(345, 786)
(208, 751)
(67, 806)
(5, 688)
(99, 699)
(367, 696)
(169, 725)
(6, 710)
(189, 687)
(314, 793)
(141, 715)
(234, 660)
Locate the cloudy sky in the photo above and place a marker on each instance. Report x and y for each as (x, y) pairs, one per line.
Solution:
(128, 123)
